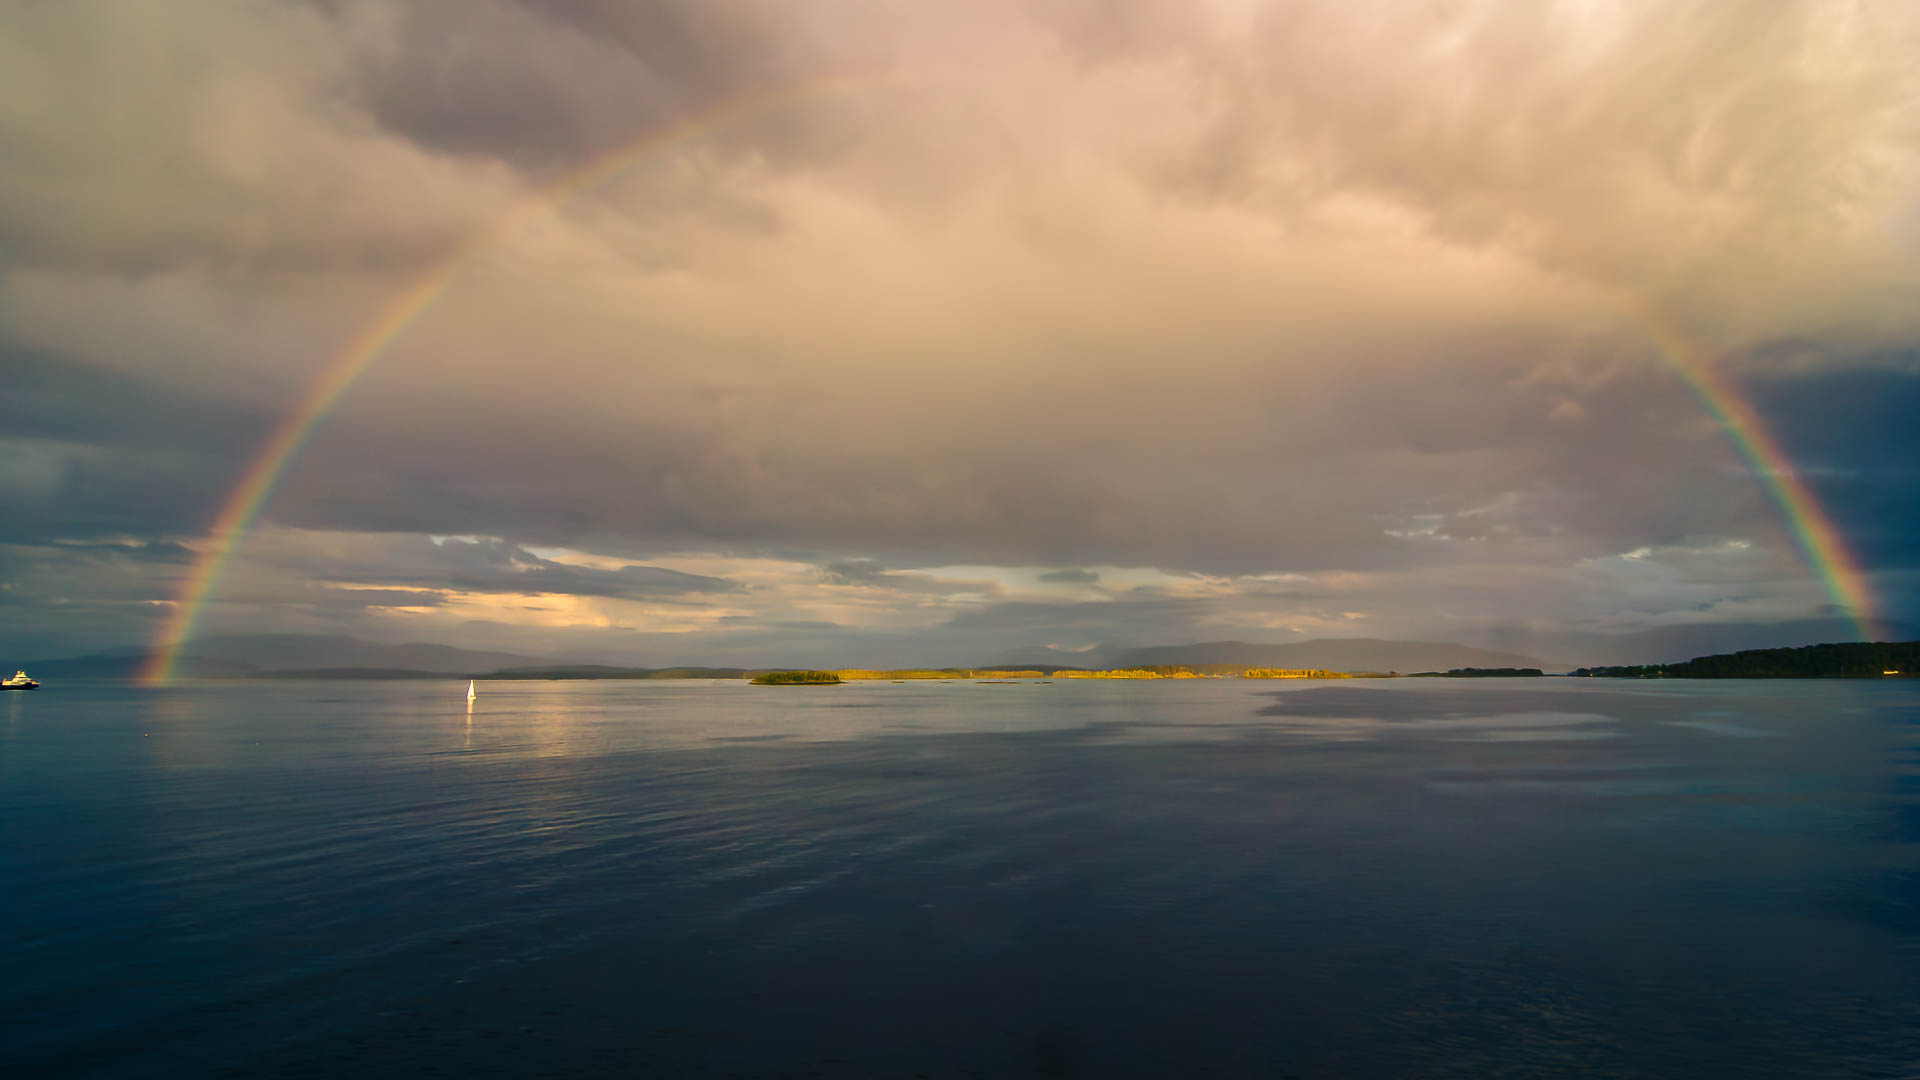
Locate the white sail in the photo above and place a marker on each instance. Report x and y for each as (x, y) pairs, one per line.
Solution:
(469, 689)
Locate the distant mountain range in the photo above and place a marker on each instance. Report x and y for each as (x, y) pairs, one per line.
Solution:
(1333, 654)
(227, 656)
(1560, 650)
(340, 656)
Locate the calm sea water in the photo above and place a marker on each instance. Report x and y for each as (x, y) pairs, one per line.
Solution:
(1405, 878)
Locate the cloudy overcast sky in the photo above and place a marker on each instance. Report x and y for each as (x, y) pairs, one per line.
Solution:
(985, 326)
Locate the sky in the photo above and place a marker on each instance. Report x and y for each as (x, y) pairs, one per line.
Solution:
(945, 332)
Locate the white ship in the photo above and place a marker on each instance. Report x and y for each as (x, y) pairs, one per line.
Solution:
(18, 682)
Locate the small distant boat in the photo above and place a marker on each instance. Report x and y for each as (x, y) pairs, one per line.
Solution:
(18, 682)
(469, 690)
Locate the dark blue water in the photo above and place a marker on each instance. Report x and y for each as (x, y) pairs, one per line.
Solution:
(1405, 878)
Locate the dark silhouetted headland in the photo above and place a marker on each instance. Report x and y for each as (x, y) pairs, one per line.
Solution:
(1850, 660)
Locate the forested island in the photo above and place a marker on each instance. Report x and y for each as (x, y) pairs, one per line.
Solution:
(1850, 660)
(797, 678)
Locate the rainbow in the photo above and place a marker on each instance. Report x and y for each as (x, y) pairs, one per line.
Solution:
(256, 486)
(1813, 530)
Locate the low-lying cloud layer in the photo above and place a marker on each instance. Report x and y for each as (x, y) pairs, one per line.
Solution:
(973, 327)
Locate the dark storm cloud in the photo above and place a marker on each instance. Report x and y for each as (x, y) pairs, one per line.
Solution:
(88, 451)
(1853, 432)
(547, 84)
(64, 399)
(1071, 577)
(853, 572)
(58, 491)
(71, 598)
(159, 551)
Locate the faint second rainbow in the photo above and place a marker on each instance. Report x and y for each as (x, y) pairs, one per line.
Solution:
(256, 485)
(1819, 540)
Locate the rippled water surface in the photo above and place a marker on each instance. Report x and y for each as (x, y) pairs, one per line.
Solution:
(1405, 878)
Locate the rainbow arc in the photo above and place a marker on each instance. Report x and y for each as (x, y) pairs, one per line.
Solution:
(1813, 530)
(256, 485)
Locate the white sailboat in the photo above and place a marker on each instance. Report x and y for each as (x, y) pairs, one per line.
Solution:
(469, 691)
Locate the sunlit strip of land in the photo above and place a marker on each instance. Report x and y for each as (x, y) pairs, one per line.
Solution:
(1181, 672)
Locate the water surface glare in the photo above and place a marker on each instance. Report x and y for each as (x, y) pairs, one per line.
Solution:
(1225, 878)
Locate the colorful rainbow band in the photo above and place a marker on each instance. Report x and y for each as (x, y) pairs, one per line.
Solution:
(1813, 531)
(250, 495)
